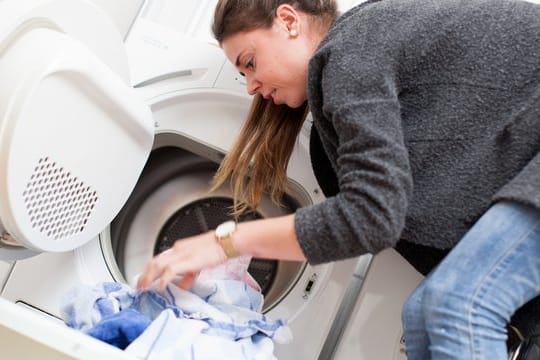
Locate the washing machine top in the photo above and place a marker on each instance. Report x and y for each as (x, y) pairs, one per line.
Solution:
(74, 136)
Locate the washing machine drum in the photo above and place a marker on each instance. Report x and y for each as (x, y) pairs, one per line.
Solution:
(171, 201)
(74, 137)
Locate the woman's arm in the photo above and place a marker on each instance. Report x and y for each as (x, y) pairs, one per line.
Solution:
(267, 238)
(272, 238)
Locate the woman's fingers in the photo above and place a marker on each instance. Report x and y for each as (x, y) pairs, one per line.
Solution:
(186, 281)
(186, 258)
(166, 276)
(155, 269)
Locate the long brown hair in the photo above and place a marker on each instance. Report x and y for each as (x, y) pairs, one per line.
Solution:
(257, 162)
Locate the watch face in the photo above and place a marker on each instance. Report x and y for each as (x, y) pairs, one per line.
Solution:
(225, 228)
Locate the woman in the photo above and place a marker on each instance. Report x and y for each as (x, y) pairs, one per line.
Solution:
(426, 131)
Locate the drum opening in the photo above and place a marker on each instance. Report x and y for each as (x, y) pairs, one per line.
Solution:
(171, 201)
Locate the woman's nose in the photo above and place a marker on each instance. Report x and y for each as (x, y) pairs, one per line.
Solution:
(253, 85)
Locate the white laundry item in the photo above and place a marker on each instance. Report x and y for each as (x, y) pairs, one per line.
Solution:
(169, 337)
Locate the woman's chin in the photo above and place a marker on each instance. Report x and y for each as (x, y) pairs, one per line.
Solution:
(293, 103)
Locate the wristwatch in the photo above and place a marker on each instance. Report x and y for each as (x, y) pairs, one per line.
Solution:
(224, 238)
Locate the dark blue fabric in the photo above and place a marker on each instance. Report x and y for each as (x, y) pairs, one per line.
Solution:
(120, 329)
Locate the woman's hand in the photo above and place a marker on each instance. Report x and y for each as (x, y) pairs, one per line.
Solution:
(185, 258)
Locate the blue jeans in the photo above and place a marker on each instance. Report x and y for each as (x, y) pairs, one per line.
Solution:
(461, 309)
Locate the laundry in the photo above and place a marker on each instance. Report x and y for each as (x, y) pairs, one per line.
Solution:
(220, 316)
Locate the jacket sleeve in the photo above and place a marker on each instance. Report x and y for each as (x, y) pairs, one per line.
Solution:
(354, 103)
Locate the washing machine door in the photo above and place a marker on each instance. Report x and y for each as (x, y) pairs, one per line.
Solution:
(73, 135)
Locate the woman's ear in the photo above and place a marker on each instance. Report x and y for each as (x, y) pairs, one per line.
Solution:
(288, 17)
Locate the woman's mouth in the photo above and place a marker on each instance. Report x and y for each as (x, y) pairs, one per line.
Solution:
(270, 95)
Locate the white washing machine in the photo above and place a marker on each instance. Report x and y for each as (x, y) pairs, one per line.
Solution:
(106, 153)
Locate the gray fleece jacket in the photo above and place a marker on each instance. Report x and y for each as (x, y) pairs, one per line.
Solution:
(428, 111)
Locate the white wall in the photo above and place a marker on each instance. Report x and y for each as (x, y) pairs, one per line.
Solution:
(344, 5)
(122, 12)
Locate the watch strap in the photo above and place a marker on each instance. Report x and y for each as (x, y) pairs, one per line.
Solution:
(225, 239)
(227, 245)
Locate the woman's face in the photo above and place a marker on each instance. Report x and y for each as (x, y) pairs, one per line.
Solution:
(274, 61)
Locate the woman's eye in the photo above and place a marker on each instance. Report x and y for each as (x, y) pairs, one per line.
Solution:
(249, 65)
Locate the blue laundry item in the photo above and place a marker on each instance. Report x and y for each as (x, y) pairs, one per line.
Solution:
(151, 303)
(120, 329)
